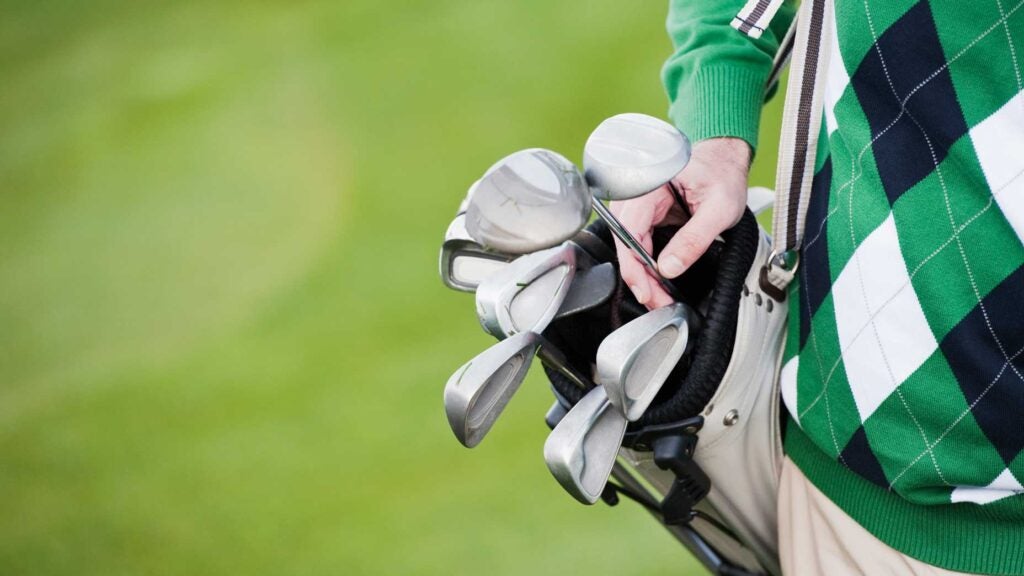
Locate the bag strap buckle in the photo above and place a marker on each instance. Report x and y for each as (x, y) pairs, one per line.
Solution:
(778, 272)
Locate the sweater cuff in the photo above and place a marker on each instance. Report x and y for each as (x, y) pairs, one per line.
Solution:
(720, 101)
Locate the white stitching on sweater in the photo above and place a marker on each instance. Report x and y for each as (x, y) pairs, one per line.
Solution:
(899, 115)
(917, 269)
(860, 277)
(963, 414)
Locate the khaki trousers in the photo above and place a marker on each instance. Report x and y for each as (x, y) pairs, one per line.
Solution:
(817, 538)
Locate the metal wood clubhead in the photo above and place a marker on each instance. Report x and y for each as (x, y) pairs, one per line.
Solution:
(634, 361)
(581, 450)
(477, 392)
(526, 294)
(530, 200)
(629, 155)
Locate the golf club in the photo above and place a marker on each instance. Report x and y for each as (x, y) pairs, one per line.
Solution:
(520, 299)
(589, 289)
(629, 155)
(581, 450)
(465, 263)
(530, 200)
(634, 360)
(478, 391)
(525, 295)
(533, 198)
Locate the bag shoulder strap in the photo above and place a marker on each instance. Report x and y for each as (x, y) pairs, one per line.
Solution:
(754, 17)
(798, 144)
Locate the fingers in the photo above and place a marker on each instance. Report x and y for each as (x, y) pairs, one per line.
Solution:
(712, 217)
(634, 274)
(638, 218)
(659, 297)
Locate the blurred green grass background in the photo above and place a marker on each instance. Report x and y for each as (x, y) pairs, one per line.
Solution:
(223, 340)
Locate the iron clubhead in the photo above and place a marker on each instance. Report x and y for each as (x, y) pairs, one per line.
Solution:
(634, 361)
(526, 294)
(477, 392)
(590, 288)
(581, 450)
(528, 201)
(629, 155)
(464, 263)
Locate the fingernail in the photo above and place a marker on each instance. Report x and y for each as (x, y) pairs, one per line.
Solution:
(641, 295)
(670, 267)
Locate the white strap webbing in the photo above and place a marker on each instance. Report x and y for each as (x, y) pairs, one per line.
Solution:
(754, 17)
(799, 141)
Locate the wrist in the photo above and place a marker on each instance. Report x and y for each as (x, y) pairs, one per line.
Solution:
(725, 149)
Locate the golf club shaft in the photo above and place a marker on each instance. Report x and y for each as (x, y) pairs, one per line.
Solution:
(648, 261)
(553, 358)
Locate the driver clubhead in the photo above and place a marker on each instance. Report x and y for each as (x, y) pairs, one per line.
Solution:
(582, 448)
(634, 360)
(530, 200)
(477, 392)
(526, 294)
(629, 155)
(464, 263)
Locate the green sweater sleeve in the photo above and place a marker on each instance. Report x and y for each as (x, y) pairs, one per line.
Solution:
(715, 78)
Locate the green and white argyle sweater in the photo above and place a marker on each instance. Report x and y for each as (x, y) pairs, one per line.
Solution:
(904, 367)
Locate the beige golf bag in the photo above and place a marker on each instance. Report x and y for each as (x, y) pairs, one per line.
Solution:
(733, 437)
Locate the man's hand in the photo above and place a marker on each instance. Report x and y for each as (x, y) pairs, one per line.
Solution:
(713, 186)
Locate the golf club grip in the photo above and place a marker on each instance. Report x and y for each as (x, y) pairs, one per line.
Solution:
(714, 344)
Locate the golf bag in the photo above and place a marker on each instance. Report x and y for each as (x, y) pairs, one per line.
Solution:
(705, 456)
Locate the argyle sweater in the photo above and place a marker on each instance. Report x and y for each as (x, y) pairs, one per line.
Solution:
(904, 366)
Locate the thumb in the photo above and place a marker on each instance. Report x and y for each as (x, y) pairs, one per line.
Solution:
(694, 238)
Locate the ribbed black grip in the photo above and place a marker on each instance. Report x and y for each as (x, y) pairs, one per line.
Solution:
(713, 348)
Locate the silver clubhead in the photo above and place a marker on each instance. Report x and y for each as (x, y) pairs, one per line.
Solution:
(629, 155)
(590, 288)
(527, 293)
(530, 200)
(581, 450)
(634, 361)
(476, 393)
(464, 263)
(464, 205)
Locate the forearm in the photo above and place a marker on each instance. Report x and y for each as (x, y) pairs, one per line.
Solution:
(715, 78)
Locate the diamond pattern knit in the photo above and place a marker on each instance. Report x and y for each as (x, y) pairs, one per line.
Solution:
(905, 356)
(904, 368)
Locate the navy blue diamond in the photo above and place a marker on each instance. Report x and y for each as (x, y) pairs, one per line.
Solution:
(981, 368)
(907, 54)
(859, 457)
(815, 275)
